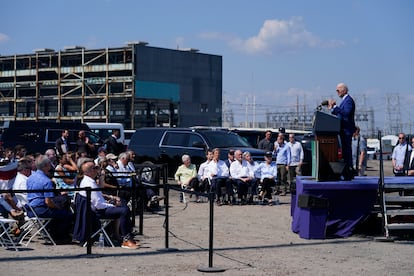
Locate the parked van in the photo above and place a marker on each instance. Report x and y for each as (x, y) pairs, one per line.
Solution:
(104, 130)
(40, 136)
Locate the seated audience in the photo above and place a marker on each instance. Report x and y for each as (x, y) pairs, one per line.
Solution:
(65, 172)
(254, 166)
(268, 175)
(43, 202)
(242, 175)
(123, 174)
(186, 174)
(219, 174)
(24, 170)
(103, 209)
(203, 173)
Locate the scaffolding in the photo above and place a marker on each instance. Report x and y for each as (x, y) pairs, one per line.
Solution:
(73, 84)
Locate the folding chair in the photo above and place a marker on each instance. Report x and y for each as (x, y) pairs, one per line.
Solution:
(40, 224)
(29, 223)
(98, 225)
(5, 239)
(184, 187)
(26, 228)
(104, 224)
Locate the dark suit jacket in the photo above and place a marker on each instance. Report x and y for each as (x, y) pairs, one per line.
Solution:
(58, 145)
(346, 113)
(79, 230)
(113, 146)
(411, 164)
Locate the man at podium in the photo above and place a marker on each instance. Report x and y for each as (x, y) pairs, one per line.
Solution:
(346, 113)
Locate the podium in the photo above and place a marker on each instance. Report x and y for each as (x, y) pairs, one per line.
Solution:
(326, 165)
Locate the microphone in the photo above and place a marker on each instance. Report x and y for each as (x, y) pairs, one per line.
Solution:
(326, 102)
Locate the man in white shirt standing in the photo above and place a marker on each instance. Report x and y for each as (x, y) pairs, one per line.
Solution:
(296, 160)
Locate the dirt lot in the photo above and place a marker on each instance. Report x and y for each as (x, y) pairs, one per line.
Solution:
(248, 240)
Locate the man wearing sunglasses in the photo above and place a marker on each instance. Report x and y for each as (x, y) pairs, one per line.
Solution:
(346, 113)
(104, 209)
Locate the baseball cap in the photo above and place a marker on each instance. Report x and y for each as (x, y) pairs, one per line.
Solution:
(111, 156)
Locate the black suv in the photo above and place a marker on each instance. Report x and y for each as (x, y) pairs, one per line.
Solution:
(167, 145)
(40, 136)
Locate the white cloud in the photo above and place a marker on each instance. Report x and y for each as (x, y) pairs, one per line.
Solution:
(3, 38)
(276, 36)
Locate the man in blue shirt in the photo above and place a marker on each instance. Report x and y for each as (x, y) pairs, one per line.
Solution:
(359, 152)
(43, 202)
(283, 159)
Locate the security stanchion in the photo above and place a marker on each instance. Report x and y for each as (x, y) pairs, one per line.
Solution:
(133, 198)
(167, 207)
(210, 267)
(88, 221)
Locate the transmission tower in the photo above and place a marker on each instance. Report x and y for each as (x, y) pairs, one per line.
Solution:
(393, 115)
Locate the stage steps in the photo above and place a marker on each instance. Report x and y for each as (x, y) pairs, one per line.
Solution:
(398, 204)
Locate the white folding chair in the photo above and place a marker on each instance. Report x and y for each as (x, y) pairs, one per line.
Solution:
(6, 240)
(184, 187)
(29, 223)
(38, 226)
(104, 223)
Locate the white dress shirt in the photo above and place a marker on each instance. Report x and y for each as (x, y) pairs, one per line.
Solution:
(239, 170)
(20, 184)
(97, 200)
(218, 169)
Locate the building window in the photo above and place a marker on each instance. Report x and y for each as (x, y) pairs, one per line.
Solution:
(204, 108)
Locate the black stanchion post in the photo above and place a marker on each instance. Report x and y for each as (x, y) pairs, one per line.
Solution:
(88, 221)
(166, 224)
(142, 191)
(167, 207)
(210, 267)
(134, 198)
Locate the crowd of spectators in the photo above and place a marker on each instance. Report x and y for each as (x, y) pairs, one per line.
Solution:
(238, 179)
(53, 174)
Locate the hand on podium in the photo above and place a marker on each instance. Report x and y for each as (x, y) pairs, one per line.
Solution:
(331, 103)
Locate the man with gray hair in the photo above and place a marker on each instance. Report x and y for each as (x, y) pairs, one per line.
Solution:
(24, 170)
(346, 113)
(43, 203)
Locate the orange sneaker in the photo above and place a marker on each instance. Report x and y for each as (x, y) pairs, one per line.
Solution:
(129, 244)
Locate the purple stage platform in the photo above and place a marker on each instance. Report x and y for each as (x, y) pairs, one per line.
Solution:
(349, 202)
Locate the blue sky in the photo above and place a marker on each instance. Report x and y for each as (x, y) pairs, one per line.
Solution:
(282, 52)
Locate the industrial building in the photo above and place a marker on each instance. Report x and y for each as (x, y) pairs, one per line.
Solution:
(137, 85)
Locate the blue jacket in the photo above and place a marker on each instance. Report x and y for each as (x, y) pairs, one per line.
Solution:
(346, 113)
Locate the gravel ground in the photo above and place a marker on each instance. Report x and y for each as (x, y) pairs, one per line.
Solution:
(248, 240)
